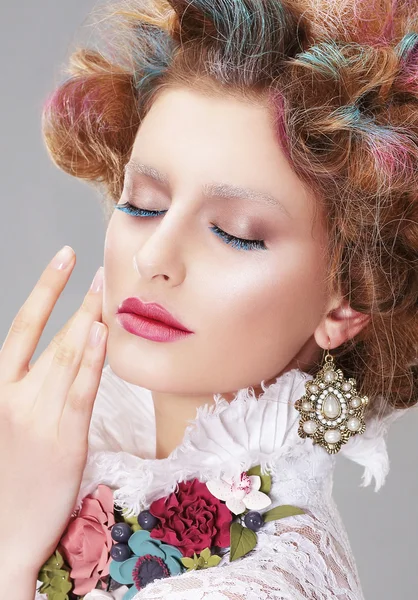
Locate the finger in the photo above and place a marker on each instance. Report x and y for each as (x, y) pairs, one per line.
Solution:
(55, 342)
(92, 303)
(29, 323)
(64, 368)
(76, 416)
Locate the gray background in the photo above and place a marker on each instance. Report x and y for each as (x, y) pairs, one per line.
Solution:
(43, 209)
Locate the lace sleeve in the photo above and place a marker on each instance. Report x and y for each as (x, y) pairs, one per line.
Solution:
(298, 560)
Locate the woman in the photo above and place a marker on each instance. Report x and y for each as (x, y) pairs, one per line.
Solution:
(258, 161)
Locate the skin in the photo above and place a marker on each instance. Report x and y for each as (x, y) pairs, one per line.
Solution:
(255, 314)
(45, 413)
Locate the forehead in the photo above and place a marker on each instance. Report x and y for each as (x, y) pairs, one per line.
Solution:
(222, 144)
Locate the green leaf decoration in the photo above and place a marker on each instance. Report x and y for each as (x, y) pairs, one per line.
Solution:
(54, 562)
(203, 561)
(205, 554)
(214, 560)
(243, 540)
(280, 512)
(132, 521)
(57, 596)
(265, 479)
(189, 563)
(55, 578)
(47, 578)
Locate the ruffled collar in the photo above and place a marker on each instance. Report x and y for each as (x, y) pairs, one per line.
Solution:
(224, 439)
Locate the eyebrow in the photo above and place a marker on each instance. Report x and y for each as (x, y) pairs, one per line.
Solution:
(210, 190)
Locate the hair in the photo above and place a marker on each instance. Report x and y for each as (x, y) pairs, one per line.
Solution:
(341, 81)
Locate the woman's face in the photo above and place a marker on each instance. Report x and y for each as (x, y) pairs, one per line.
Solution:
(253, 312)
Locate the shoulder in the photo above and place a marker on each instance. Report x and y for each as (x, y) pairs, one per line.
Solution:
(122, 417)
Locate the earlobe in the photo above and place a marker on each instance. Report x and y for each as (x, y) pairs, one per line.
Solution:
(339, 325)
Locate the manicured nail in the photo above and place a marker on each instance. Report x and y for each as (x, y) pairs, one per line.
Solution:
(97, 283)
(96, 334)
(63, 258)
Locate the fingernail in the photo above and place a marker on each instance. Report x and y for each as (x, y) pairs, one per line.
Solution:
(97, 283)
(96, 334)
(63, 258)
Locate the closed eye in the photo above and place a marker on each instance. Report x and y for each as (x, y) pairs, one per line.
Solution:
(232, 240)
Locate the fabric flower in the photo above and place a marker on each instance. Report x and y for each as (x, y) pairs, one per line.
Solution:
(204, 561)
(152, 560)
(102, 595)
(87, 541)
(240, 494)
(55, 578)
(192, 519)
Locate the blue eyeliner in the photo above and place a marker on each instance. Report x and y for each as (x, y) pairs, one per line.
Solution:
(231, 240)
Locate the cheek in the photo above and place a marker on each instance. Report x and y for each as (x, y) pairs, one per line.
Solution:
(117, 257)
(282, 290)
(258, 317)
(114, 238)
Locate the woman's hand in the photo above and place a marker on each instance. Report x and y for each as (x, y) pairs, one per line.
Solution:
(45, 413)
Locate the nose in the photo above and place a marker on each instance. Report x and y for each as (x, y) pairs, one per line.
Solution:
(161, 255)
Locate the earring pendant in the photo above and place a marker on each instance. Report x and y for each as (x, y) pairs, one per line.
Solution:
(331, 409)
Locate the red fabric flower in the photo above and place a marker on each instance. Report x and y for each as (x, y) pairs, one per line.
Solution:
(87, 541)
(192, 519)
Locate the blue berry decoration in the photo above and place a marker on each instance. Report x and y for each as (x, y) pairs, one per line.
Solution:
(146, 520)
(253, 520)
(151, 559)
(120, 552)
(121, 532)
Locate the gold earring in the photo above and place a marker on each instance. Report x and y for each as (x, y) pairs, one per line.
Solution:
(331, 410)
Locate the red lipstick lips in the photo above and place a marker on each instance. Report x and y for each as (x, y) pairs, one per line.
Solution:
(150, 320)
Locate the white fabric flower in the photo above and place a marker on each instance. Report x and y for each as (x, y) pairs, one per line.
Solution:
(239, 494)
(97, 594)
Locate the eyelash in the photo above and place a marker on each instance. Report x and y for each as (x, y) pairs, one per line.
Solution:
(235, 242)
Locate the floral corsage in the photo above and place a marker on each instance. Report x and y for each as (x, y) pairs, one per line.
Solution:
(102, 550)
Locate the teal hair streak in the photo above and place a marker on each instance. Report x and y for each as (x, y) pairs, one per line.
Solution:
(242, 26)
(326, 57)
(249, 28)
(352, 118)
(245, 40)
(153, 62)
(406, 45)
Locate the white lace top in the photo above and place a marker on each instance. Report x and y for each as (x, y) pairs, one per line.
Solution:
(301, 557)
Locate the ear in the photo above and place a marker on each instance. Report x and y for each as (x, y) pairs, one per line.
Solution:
(339, 325)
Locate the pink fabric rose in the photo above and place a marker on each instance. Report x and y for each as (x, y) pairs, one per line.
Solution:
(87, 540)
(192, 519)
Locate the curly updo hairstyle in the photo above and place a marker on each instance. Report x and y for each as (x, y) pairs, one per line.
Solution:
(341, 81)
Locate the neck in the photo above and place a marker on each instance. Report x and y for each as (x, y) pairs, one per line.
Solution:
(172, 414)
